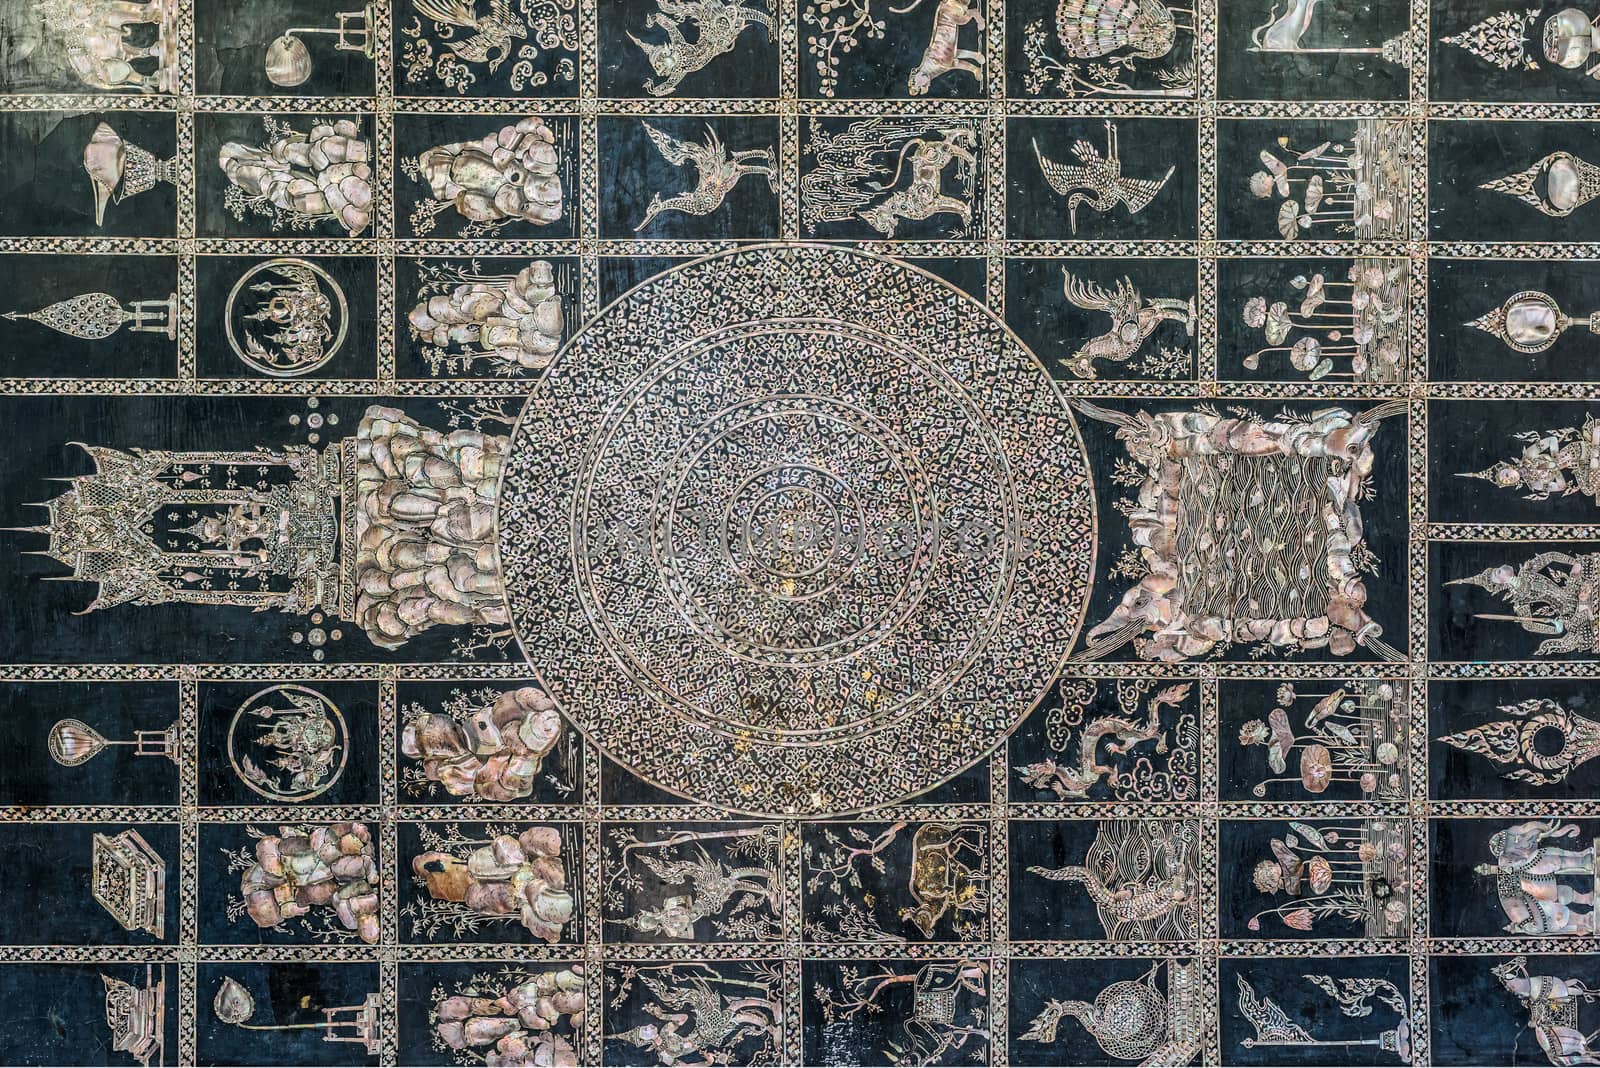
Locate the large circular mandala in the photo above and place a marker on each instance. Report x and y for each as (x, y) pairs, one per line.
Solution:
(796, 530)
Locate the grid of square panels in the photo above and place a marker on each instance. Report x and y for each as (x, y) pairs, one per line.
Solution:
(1349, 817)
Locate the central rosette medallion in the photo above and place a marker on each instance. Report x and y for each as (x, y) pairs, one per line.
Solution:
(796, 530)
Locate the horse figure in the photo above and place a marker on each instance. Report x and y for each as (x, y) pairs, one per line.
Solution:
(1552, 1011)
(931, 1030)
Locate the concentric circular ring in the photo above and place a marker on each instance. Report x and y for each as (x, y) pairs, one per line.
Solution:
(796, 530)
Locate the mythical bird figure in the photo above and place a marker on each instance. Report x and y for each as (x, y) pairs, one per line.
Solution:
(1133, 319)
(696, 1020)
(718, 169)
(1099, 182)
(492, 35)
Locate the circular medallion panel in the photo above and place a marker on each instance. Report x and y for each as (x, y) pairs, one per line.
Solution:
(796, 530)
(286, 317)
(288, 742)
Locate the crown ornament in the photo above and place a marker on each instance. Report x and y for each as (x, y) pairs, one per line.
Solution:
(1568, 39)
(1568, 184)
(1501, 39)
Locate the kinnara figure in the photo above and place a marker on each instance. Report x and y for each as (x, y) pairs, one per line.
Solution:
(1553, 463)
(1528, 879)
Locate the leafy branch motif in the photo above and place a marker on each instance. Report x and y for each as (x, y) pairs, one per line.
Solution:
(841, 27)
(476, 412)
(836, 866)
(482, 639)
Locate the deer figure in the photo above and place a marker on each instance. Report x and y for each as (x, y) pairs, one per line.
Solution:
(940, 879)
